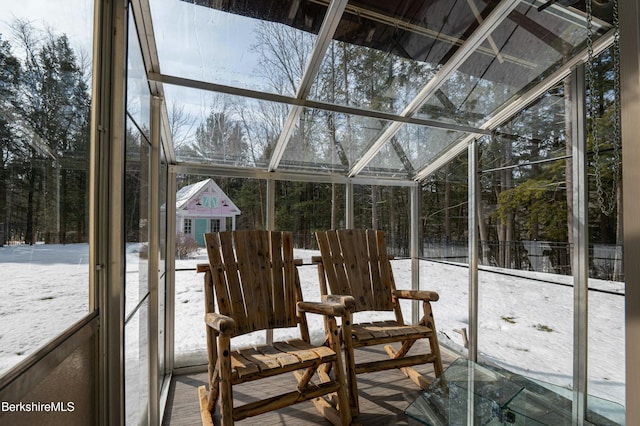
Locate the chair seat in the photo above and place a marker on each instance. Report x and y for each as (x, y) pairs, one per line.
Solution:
(379, 332)
(268, 360)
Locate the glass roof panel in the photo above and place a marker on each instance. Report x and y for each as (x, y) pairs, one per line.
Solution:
(230, 45)
(220, 129)
(329, 141)
(421, 144)
(536, 134)
(387, 164)
(524, 49)
(385, 52)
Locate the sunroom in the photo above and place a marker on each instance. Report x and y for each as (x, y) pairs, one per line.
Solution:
(493, 141)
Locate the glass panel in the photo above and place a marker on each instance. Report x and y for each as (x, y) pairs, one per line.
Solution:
(245, 209)
(44, 171)
(138, 95)
(444, 249)
(136, 211)
(136, 366)
(524, 228)
(223, 129)
(327, 141)
(536, 134)
(256, 45)
(524, 49)
(385, 208)
(412, 148)
(606, 271)
(498, 397)
(304, 207)
(383, 55)
(387, 163)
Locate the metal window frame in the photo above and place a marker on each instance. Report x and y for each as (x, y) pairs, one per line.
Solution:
(630, 96)
(473, 199)
(580, 258)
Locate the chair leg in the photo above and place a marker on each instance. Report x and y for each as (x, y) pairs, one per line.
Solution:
(344, 406)
(205, 414)
(226, 394)
(351, 365)
(410, 372)
(435, 350)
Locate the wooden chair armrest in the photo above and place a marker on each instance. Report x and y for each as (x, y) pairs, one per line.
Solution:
(202, 267)
(220, 323)
(349, 302)
(424, 295)
(298, 262)
(323, 308)
(316, 259)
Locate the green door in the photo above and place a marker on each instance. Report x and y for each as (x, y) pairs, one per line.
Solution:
(201, 228)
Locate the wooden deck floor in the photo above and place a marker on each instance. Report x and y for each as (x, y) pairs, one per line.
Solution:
(383, 397)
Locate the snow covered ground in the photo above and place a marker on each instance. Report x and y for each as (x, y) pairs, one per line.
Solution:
(526, 325)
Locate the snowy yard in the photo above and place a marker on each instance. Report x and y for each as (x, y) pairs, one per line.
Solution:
(526, 325)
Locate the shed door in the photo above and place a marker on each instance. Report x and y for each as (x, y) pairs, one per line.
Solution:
(201, 228)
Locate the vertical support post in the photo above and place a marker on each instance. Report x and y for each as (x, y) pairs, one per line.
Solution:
(414, 249)
(107, 201)
(580, 243)
(170, 275)
(153, 257)
(270, 220)
(348, 208)
(473, 249)
(630, 96)
(270, 225)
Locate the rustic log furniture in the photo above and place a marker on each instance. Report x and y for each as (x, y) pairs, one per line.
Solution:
(355, 263)
(256, 286)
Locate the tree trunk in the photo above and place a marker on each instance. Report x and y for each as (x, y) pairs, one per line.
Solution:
(374, 207)
(482, 227)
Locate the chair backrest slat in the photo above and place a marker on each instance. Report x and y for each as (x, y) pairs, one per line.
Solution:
(356, 260)
(291, 281)
(277, 276)
(387, 285)
(254, 278)
(355, 263)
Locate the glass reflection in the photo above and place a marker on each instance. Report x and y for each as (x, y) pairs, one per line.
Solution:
(45, 97)
(328, 141)
(524, 49)
(256, 45)
(138, 97)
(223, 129)
(536, 134)
(136, 209)
(382, 56)
(136, 367)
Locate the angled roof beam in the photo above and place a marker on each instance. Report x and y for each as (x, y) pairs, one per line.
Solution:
(325, 35)
(470, 45)
(146, 34)
(518, 104)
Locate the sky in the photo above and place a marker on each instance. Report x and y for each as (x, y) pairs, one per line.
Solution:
(71, 17)
(526, 325)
